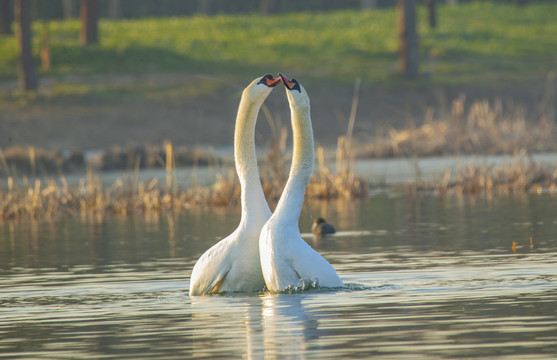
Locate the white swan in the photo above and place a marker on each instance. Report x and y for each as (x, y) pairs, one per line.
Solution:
(232, 264)
(287, 261)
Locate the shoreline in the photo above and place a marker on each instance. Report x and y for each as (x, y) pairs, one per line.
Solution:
(175, 189)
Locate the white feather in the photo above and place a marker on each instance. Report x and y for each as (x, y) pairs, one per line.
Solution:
(287, 261)
(233, 263)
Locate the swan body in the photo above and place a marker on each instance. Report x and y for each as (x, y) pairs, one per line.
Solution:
(232, 264)
(287, 261)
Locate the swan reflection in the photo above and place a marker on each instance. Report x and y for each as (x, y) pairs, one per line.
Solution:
(269, 326)
(214, 316)
(287, 326)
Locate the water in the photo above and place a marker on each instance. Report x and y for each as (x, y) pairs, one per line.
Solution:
(426, 276)
(389, 171)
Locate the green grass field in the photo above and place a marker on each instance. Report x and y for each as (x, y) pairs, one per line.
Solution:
(189, 71)
(474, 43)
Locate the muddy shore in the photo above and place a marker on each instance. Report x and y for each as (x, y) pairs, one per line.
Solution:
(120, 128)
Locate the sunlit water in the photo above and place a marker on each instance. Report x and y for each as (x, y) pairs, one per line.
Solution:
(427, 277)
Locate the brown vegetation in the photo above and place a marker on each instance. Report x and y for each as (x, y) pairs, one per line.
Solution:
(485, 128)
(343, 182)
(31, 161)
(517, 177)
(51, 198)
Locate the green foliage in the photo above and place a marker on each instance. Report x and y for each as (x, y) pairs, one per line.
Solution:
(473, 43)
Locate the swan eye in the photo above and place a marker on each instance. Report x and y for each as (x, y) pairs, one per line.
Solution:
(296, 85)
(290, 84)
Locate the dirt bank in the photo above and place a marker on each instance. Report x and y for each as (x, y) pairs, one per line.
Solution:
(123, 117)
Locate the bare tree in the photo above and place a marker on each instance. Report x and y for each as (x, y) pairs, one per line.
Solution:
(45, 47)
(114, 9)
(407, 36)
(269, 6)
(368, 4)
(204, 6)
(25, 70)
(89, 14)
(5, 19)
(69, 8)
(431, 13)
(264, 7)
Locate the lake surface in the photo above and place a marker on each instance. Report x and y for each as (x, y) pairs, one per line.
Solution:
(377, 171)
(426, 276)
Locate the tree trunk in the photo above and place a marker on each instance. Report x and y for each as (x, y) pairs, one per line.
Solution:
(431, 13)
(69, 8)
(25, 70)
(89, 13)
(204, 7)
(368, 4)
(408, 37)
(45, 48)
(269, 6)
(264, 7)
(114, 9)
(5, 18)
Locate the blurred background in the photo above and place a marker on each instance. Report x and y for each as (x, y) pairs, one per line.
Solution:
(106, 80)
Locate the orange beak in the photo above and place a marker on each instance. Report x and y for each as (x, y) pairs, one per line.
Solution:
(289, 84)
(270, 81)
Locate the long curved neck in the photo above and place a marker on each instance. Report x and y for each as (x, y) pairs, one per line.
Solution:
(252, 199)
(290, 204)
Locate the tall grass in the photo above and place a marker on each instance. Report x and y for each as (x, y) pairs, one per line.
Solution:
(47, 199)
(343, 183)
(481, 128)
(519, 176)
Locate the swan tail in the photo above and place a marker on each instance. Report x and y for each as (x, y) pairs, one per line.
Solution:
(312, 268)
(209, 287)
(216, 288)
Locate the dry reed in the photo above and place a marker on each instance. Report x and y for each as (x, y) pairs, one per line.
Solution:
(48, 199)
(522, 175)
(343, 182)
(485, 128)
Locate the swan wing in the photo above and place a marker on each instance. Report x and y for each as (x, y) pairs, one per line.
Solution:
(312, 267)
(213, 286)
(288, 262)
(210, 271)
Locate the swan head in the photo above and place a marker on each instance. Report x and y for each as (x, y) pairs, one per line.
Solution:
(297, 95)
(269, 81)
(261, 87)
